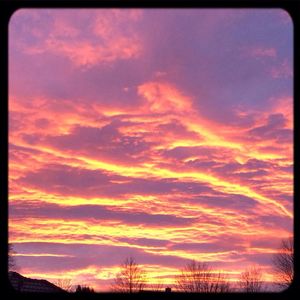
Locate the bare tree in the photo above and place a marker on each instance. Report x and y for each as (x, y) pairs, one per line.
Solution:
(131, 278)
(193, 277)
(220, 284)
(198, 277)
(251, 280)
(283, 262)
(65, 284)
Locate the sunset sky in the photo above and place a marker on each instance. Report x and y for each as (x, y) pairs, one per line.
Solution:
(162, 134)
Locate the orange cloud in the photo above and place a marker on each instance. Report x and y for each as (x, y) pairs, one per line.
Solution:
(163, 97)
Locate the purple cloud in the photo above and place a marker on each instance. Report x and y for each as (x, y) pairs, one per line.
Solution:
(96, 213)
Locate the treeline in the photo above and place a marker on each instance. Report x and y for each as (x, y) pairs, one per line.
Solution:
(197, 277)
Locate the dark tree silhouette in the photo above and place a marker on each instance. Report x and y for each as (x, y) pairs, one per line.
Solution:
(251, 280)
(11, 259)
(198, 277)
(131, 278)
(84, 289)
(283, 262)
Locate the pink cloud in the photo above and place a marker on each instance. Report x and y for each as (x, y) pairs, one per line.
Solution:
(63, 28)
(269, 52)
(109, 41)
(283, 70)
(85, 53)
(105, 25)
(260, 51)
(284, 106)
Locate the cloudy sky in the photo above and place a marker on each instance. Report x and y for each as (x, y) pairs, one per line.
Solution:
(166, 135)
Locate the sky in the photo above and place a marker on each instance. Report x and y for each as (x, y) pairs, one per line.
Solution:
(162, 134)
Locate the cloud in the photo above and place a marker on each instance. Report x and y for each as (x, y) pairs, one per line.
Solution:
(273, 129)
(255, 164)
(274, 221)
(58, 178)
(207, 247)
(94, 183)
(177, 130)
(162, 97)
(146, 242)
(87, 54)
(96, 213)
(233, 202)
(182, 152)
(266, 243)
(105, 142)
(64, 36)
(86, 255)
(282, 70)
(261, 52)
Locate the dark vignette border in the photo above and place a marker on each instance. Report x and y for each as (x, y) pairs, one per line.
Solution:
(7, 8)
